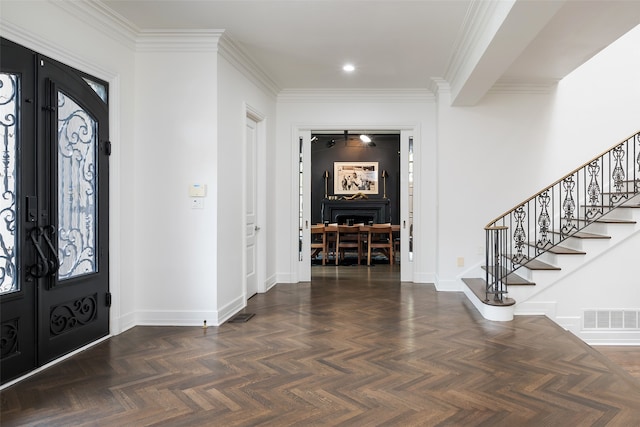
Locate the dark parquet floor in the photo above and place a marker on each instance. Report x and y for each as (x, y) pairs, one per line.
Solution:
(354, 347)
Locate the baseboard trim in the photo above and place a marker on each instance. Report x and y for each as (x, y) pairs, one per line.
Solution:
(125, 323)
(610, 338)
(229, 310)
(270, 283)
(424, 278)
(286, 278)
(176, 318)
(449, 285)
(542, 308)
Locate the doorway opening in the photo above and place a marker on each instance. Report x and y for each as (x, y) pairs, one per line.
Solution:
(355, 180)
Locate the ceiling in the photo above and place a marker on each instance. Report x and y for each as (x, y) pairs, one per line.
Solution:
(397, 44)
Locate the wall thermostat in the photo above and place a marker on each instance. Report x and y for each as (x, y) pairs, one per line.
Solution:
(197, 190)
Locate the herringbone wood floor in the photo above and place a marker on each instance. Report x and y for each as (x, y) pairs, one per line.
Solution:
(354, 347)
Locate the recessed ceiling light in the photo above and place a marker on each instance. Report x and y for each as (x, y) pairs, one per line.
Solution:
(349, 68)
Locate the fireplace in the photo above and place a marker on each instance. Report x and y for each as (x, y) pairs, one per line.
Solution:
(358, 211)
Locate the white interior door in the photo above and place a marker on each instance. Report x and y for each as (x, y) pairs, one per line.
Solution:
(251, 207)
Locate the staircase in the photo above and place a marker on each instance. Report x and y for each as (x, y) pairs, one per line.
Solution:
(544, 240)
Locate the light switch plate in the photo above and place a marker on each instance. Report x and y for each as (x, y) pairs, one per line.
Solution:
(197, 203)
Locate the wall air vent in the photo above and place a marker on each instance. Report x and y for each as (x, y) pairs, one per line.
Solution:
(624, 320)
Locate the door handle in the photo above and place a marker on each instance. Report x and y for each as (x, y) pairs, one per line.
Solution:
(44, 266)
(54, 263)
(41, 267)
(256, 228)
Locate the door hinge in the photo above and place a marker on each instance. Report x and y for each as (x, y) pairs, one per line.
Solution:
(108, 299)
(107, 148)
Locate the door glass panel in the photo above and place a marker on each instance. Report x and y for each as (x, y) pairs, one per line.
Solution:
(411, 199)
(8, 118)
(301, 198)
(76, 189)
(98, 88)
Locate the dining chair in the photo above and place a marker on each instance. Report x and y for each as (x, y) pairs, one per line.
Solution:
(319, 242)
(348, 237)
(380, 236)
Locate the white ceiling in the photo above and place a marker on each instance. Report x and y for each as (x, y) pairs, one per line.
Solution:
(397, 44)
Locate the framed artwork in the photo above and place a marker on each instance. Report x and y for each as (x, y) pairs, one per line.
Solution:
(355, 177)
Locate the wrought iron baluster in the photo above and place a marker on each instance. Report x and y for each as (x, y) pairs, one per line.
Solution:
(519, 235)
(618, 175)
(544, 221)
(569, 207)
(593, 191)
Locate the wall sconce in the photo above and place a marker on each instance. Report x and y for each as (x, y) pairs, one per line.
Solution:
(325, 175)
(384, 175)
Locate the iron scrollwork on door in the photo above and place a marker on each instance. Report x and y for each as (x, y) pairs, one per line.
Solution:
(9, 338)
(73, 314)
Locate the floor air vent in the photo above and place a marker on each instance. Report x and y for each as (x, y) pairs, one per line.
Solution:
(612, 319)
(241, 317)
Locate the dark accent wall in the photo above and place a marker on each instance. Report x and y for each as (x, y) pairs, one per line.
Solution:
(386, 152)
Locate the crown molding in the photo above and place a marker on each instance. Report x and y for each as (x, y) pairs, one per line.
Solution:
(438, 85)
(178, 40)
(503, 86)
(514, 86)
(232, 52)
(356, 95)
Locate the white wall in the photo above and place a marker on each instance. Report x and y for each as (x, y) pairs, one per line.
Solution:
(75, 40)
(352, 112)
(597, 105)
(176, 134)
(236, 94)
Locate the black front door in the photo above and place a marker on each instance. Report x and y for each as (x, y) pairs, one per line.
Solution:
(54, 174)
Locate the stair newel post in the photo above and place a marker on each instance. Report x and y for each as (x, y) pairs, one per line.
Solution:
(487, 257)
(496, 246)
